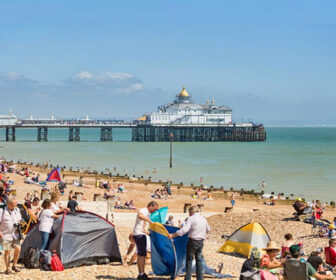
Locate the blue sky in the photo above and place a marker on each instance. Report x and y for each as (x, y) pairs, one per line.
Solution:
(271, 61)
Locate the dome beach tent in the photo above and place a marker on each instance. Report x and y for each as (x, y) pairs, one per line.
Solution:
(168, 256)
(80, 238)
(160, 215)
(55, 175)
(245, 238)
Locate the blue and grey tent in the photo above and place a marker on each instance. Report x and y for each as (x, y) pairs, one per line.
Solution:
(169, 256)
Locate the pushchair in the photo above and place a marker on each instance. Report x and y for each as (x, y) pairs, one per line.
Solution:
(62, 186)
(28, 219)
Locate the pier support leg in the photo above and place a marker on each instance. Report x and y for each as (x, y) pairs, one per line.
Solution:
(71, 134)
(74, 134)
(39, 130)
(42, 134)
(45, 134)
(10, 134)
(77, 134)
(106, 134)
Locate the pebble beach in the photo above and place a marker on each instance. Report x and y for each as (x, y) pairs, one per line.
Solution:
(275, 219)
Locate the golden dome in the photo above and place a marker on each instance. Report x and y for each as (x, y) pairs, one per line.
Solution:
(183, 93)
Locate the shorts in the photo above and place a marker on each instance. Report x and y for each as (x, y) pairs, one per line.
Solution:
(7, 245)
(141, 244)
(233, 202)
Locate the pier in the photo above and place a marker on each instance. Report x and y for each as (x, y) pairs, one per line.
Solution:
(244, 132)
(201, 133)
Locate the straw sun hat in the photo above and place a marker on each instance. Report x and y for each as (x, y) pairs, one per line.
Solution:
(272, 246)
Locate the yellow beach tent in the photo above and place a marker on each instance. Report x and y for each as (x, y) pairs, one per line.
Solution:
(245, 238)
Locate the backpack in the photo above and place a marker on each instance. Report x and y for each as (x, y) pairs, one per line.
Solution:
(56, 264)
(45, 260)
(266, 275)
(31, 258)
(250, 275)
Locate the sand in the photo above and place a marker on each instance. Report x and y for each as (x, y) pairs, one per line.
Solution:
(272, 217)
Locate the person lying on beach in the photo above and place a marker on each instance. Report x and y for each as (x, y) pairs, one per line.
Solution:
(164, 194)
(121, 188)
(118, 204)
(209, 196)
(156, 194)
(36, 179)
(129, 204)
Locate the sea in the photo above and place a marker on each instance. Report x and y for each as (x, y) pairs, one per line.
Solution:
(297, 161)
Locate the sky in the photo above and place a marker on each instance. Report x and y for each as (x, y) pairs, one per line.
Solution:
(271, 61)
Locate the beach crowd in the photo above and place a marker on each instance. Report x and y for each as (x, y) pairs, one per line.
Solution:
(286, 262)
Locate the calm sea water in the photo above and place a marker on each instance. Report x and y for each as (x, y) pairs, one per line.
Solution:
(301, 161)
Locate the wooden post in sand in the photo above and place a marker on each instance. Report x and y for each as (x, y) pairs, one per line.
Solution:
(186, 207)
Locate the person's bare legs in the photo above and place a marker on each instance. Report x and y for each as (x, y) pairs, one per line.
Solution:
(141, 264)
(7, 259)
(17, 251)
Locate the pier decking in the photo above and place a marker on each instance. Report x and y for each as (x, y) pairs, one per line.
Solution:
(246, 132)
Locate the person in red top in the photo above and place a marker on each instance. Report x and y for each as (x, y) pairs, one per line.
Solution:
(318, 211)
(330, 252)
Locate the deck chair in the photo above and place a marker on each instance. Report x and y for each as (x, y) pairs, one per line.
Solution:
(28, 218)
(296, 270)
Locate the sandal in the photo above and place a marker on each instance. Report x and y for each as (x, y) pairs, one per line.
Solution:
(8, 271)
(15, 269)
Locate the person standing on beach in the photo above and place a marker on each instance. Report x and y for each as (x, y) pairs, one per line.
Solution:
(197, 228)
(140, 238)
(110, 201)
(233, 199)
(10, 218)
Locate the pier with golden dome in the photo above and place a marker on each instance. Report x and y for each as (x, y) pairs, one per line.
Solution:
(180, 120)
(184, 120)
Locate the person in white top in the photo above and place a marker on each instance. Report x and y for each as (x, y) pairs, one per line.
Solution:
(56, 207)
(10, 218)
(139, 236)
(197, 228)
(46, 219)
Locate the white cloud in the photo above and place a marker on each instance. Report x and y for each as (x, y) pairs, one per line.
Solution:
(84, 75)
(104, 83)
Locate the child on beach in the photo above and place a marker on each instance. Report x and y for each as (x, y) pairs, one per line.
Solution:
(286, 245)
(46, 219)
(233, 199)
(170, 221)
